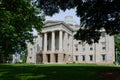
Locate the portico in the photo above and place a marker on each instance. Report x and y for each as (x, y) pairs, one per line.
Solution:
(55, 48)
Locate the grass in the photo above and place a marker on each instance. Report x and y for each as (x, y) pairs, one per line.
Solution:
(54, 71)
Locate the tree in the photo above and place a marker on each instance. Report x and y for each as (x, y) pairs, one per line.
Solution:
(95, 15)
(117, 43)
(117, 47)
(17, 20)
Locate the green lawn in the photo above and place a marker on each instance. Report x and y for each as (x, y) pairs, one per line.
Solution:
(54, 72)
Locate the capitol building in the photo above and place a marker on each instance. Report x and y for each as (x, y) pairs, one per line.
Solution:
(56, 44)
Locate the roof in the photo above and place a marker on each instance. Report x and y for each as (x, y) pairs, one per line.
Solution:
(53, 23)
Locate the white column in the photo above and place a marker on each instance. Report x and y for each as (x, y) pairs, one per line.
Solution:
(53, 41)
(66, 41)
(45, 41)
(69, 43)
(60, 40)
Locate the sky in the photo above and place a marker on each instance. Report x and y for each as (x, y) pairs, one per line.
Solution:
(61, 16)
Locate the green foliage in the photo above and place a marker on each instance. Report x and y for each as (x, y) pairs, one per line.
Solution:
(23, 57)
(94, 16)
(17, 20)
(117, 43)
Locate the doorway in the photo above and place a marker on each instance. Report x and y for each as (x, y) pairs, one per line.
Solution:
(56, 57)
(48, 58)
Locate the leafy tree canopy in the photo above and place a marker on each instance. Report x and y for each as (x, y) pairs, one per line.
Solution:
(95, 15)
(117, 43)
(17, 20)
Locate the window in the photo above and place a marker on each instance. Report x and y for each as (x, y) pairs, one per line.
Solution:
(30, 57)
(91, 48)
(76, 46)
(76, 49)
(79, 42)
(91, 57)
(103, 57)
(103, 45)
(31, 51)
(103, 48)
(76, 58)
(83, 48)
(83, 57)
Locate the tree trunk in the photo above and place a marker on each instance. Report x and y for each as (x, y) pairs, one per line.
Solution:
(5, 53)
(4, 58)
(1, 60)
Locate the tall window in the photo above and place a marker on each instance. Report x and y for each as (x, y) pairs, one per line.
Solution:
(83, 47)
(91, 47)
(91, 57)
(31, 51)
(76, 58)
(30, 57)
(103, 45)
(103, 57)
(76, 49)
(83, 57)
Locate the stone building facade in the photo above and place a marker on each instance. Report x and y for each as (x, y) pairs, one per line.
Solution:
(56, 44)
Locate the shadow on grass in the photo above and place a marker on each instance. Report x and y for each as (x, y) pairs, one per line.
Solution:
(44, 72)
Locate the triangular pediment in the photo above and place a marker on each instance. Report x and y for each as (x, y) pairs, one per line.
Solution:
(50, 23)
(54, 23)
